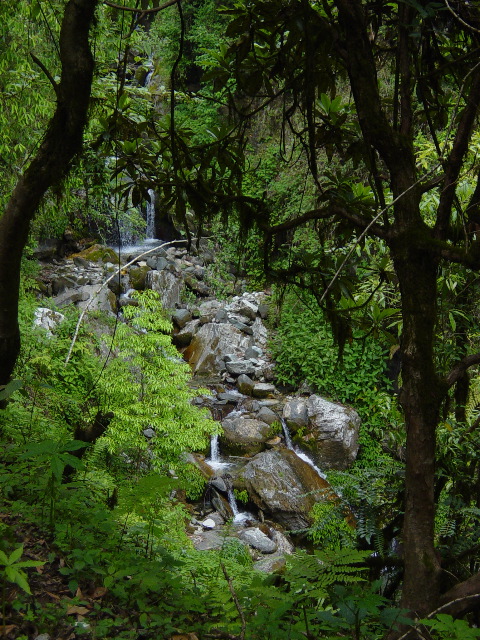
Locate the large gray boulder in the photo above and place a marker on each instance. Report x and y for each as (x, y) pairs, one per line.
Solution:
(167, 285)
(332, 433)
(284, 487)
(243, 435)
(211, 343)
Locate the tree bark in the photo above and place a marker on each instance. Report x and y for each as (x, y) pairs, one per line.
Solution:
(420, 399)
(62, 141)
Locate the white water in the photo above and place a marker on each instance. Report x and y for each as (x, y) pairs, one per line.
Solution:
(215, 462)
(150, 230)
(238, 516)
(303, 456)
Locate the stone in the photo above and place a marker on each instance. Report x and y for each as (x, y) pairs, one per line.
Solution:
(185, 336)
(98, 253)
(61, 283)
(167, 285)
(243, 435)
(295, 413)
(255, 538)
(137, 276)
(209, 523)
(267, 415)
(241, 326)
(271, 564)
(97, 298)
(332, 436)
(253, 352)
(243, 307)
(263, 310)
(219, 483)
(211, 343)
(149, 433)
(239, 367)
(263, 389)
(284, 487)
(47, 319)
(221, 316)
(180, 317)
(197, 286)
(245, 384)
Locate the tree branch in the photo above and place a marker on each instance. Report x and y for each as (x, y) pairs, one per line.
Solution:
(45, 71)
(460, 368)
(142, 11)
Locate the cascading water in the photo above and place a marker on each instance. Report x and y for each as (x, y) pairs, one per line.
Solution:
(238, 516)
(150, 230)
(214, 449)
(303, 456)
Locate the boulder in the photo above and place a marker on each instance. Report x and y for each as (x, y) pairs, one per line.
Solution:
(240, 367)
(263, 390)
(138, 276)
(243, 435)
(97, 298)
(332, 437)
(245, 384)
(274, 563)
(167, 285)
(284, 487)
(47, 319)
(255, 538)
(295, 413)
(211, 343)
(180, 317)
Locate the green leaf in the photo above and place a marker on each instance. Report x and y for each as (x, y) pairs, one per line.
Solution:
(15, 555)
(10, 388)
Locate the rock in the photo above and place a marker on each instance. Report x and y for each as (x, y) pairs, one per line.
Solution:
(98, 253)
(241, 326)
(253, 352)
(243, 435)
(245, 384)
(239, 367)
(332, 433)
(211, 343)
(263, 390)
(243, 307)
(47, 319)
(221, 505)
(181, 317)
(149, 433)
(295, 413)
(138, 276)
(267, 415)
(284, 487)
(221, 316)
(283, 543)
(263, 310)
(97, 298)
(258, 540)
(273, 442)
(271, 564)
(219, 483)
(61, 283)
(185, 336)
(209, 523)
(197, 286)
(167, 285)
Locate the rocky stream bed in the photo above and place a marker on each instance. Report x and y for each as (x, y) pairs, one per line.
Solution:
(274, 446)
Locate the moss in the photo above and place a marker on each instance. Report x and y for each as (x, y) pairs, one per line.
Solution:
(97, 253)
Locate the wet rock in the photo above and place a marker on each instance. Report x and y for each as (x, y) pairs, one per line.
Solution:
(185, 336)
(332, 433)
(219, 483)
(255, 538)
(243, 435)
(284, 487)
(245, 385)
(221, 505)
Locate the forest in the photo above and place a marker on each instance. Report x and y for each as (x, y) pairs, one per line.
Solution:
(239, 334)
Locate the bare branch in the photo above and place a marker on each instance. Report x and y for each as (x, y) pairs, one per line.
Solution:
(45, 71)
(142, 11)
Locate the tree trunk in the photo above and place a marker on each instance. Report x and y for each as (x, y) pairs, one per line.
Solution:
(420, 399)
(62, 141)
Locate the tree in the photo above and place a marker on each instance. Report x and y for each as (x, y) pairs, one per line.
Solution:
(358, 84)
(62, 141)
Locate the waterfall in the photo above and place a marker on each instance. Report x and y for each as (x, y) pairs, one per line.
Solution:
(286, 434)
(150, 231)
(214, 449)
(232, 501)
(303, 456)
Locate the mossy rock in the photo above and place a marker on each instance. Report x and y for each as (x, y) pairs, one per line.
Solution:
(137, 276)
(97, 253)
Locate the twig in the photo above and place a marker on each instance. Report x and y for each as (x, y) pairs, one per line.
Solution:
(142, 11)
(45, 71)
(236, 601)
(95, 294)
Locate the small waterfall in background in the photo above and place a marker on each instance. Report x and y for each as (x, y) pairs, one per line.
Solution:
(238, 516)
(214, 449)
(303, 456)
(150, 229)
